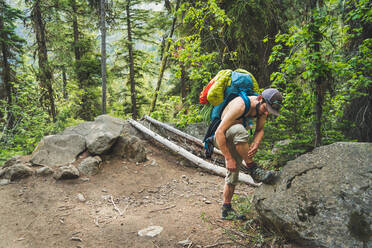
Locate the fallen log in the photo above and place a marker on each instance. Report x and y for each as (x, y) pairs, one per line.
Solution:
(189, 156)
(178, 132)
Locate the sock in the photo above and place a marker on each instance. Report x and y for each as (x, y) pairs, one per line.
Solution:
(227, 205)
(251, 164)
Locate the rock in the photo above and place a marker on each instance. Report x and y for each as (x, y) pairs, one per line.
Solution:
(57, 150)
(150, 231)
(12, 161)
(279, 144)
(322, 199)
(82, 129)
(66, 172)
(76, 239)
(185, 242)
(153, 163)
(128, 129)
(4, 182)
(101, 134)
(186, 163)
(90, 166)
(130, 147)
(106, 197)
(16, 171)
(44, 171)
(81, 197)
(106, 131)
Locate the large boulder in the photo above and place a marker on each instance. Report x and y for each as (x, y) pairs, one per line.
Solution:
(322, 199)
(57, 150)
(99, 134)
(105, 131)
(82, 129)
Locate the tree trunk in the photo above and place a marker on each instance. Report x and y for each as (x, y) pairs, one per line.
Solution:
(318, 112)
(64, 80)
(6, 75)
(183, 83)
(164, 61)
(45, 74)
(75, 30)
(103, 55)
(131, 64)
(319, 80)
(85, 112)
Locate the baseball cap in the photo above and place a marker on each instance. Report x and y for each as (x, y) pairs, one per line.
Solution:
(273, 99)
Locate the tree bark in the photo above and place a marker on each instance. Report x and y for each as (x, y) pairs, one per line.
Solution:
(64, 80)
(6, 75)
(164, 60)
(103, 55)
(131, 63)
(85, 112)
(319, 80)
(75, 30)
(183, 84)
(45, 74)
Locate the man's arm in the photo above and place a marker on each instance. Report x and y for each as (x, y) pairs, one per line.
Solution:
(258, 135)
(235, 110)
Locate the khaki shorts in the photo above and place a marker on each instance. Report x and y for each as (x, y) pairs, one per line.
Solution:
(234, 135)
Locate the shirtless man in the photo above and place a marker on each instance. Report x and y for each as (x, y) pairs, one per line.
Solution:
(231, 138)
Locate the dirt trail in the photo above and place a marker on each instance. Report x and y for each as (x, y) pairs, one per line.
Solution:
(42, 212)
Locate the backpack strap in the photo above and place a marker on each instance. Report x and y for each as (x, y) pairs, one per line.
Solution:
(247, 103)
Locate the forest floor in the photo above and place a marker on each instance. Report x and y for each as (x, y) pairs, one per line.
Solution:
(124, 198)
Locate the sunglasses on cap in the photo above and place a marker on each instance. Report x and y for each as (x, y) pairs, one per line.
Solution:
(276, 104)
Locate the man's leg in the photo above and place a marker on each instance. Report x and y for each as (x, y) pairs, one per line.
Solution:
(228, 193)
(231, 178)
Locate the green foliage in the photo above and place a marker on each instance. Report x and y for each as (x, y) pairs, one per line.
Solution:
(199, 18)
(31, 122)
(193, 115)
(300, 65)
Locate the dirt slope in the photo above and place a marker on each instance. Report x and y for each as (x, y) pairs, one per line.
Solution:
(42, 212)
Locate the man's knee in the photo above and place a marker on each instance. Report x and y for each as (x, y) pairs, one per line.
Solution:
(237, 134)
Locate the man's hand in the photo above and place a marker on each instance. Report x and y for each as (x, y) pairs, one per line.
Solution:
(252, 150)
(230, 164)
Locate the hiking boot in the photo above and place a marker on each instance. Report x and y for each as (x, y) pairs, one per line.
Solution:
(258, 174)
(228, 213)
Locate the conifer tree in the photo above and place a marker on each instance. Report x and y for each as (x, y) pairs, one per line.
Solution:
(100, 6)
(11, 48)
(165, 55)
(137, 29)
(86, 66)
(45, 74)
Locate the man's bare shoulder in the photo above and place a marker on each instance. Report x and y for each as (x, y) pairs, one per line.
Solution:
(234, 108)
